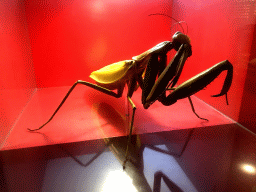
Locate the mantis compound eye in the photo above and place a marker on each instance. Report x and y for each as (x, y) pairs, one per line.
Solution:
(178, 39)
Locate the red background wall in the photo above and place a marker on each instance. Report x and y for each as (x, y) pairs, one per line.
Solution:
(70, 39)
(221, 30)
(49, 43)
(17, 79)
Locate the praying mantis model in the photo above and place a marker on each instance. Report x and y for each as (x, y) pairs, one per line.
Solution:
(149, 71)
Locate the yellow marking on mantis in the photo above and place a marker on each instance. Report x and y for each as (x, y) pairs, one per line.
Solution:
(111, 73)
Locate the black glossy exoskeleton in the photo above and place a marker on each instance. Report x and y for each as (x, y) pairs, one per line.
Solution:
(156, 79)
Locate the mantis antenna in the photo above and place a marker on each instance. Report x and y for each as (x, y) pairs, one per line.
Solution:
(177, 22)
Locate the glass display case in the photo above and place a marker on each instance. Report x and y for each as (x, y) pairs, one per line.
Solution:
(48, 45)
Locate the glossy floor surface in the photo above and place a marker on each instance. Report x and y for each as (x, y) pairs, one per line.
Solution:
(219, 158)
(83, 147)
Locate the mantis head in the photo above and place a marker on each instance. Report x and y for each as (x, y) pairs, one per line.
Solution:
(178, 39)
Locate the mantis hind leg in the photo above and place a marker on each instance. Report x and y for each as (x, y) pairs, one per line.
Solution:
(193, 109)
(199, 82)
(99, 88)
(191, 104)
